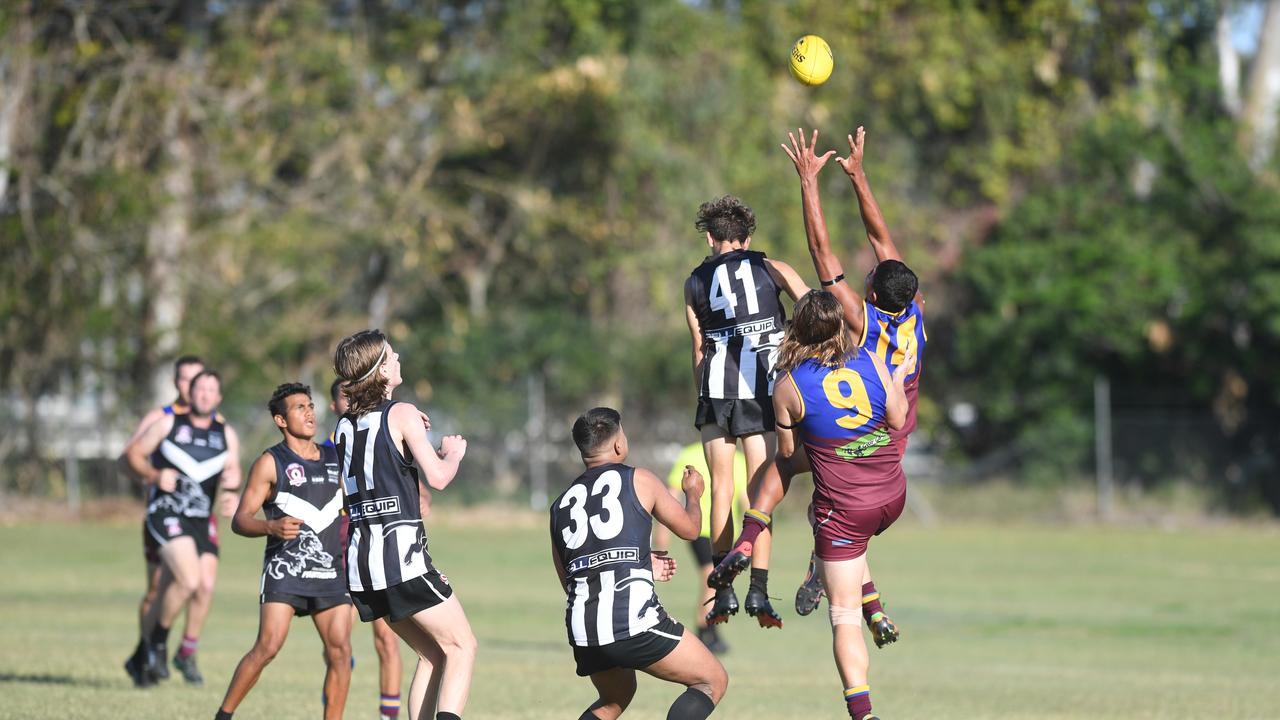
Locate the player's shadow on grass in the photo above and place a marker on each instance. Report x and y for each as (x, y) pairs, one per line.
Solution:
(46, 679)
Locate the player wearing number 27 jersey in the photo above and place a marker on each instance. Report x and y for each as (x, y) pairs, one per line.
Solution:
(600, 529)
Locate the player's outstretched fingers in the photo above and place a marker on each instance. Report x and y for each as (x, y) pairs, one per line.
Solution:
(691, 664)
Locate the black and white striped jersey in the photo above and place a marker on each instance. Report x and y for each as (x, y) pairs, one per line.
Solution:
(308, 490)
(600, 532)
(387, 543)
(742, 323)
(199, 455)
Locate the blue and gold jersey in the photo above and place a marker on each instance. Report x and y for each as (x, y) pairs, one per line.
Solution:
(844, 430)
(891, 335)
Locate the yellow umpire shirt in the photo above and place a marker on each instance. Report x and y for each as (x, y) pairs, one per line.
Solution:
(693, 455)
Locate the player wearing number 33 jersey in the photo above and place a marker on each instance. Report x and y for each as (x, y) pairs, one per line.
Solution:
(600, 529)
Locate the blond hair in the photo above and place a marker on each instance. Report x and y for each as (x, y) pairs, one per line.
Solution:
(356, 361)
(816, 332)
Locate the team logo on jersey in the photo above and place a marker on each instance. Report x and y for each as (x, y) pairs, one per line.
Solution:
(743, 330)
(297, 476)
(309, 550)
(183, 436)
(375, 508)
(865, 445)
(332, 470)
(216, 442)
(604, 557)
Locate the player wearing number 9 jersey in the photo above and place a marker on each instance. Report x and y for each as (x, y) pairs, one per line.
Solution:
(840, 401)
(735, 323)
(600, 528)
(389, 572)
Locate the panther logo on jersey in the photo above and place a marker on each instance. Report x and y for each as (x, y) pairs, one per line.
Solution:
(307, 559)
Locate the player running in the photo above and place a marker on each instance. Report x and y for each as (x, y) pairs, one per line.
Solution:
(389, 571)
(295, 484)
(385, 641)
(186, 458)
(600, 530)
(889, 323)
(184, 368)
(841, 403)
(735, 323)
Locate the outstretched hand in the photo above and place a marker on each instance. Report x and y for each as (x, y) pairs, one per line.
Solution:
(808, 163)
(852, 165)
(664, 566)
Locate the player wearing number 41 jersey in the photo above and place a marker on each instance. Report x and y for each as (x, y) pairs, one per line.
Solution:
(600, 529)
(735, 323)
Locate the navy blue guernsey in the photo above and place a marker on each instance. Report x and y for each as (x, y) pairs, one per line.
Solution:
(742, 324)
(308, 490)
(600, 532)
(199, 455)
(387, 544)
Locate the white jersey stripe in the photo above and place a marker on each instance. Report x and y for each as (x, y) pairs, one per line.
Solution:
(715, 378)
(604, 609)
(377, 569)
(640, 592)
(748, 364)
(578, 615)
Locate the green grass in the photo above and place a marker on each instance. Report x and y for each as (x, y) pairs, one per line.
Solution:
(998, 622)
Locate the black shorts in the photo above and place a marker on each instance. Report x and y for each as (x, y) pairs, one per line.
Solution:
(736, 417)
(304, 605)
(163, 528)
(701, 550)
(405, 600)
(634, 653)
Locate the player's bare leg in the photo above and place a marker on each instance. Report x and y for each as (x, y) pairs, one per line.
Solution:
(334, 626)
(444, 627)
(387, 644)
(136, 665)
(691, 664)
(843, 580)
(768, 486)
(182, 573)
(616, 688)
(757, 602)
(424, 688)
(273, 627)
(197, 612)
(719, 449)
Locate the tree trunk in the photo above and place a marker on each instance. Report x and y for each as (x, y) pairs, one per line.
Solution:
(1228, 65)
(15, 79)
(1264, 92)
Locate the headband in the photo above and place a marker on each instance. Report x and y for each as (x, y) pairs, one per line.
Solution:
(381, 356)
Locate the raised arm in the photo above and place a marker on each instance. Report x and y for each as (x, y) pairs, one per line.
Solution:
(872, 219)
(695, 333)
(685, 522)
(830, 271)
(440, 468)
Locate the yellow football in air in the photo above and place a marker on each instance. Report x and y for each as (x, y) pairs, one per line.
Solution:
(811, 60)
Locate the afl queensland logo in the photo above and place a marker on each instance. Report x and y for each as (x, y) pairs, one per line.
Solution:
(297, 476)
(183, 436)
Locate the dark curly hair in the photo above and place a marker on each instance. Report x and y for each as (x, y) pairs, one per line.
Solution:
(895, 285)
(276, 404)
(727, 219)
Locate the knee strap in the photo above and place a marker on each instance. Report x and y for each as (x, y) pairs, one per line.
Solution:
(844, 616)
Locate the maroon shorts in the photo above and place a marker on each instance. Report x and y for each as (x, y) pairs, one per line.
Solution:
(843, 534)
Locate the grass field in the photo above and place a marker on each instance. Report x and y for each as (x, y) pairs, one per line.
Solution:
(998, 622)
